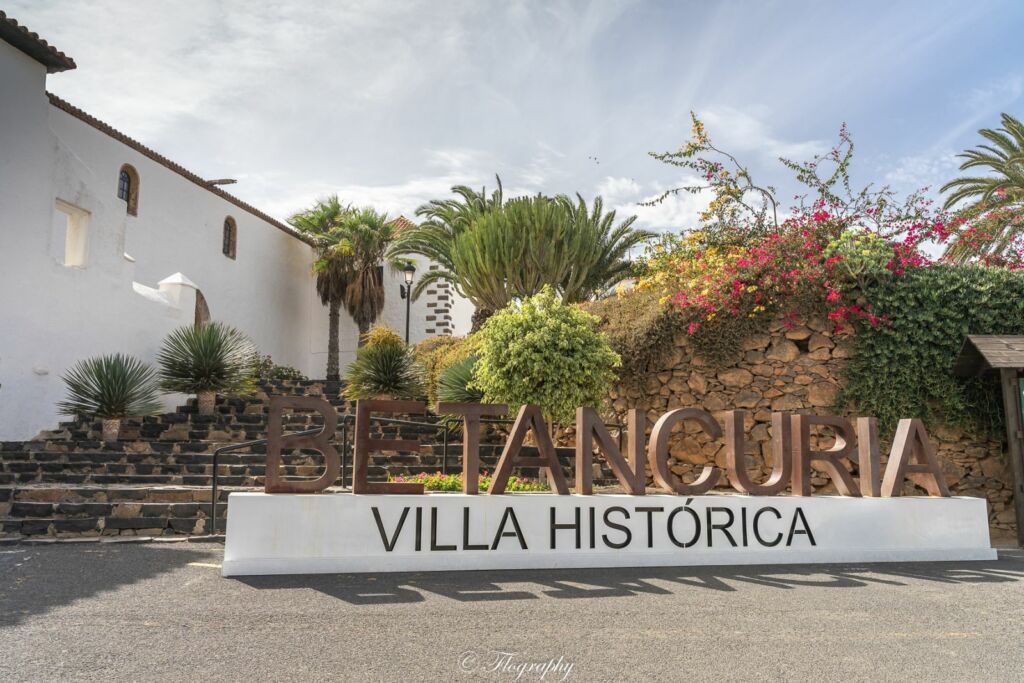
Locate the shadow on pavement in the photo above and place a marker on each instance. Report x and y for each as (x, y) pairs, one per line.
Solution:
(484, 586)
(37, 579)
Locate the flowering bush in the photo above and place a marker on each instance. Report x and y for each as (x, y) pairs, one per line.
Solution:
(744, 266)
(453, 482)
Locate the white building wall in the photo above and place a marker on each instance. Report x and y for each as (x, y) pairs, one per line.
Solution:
(110, 298)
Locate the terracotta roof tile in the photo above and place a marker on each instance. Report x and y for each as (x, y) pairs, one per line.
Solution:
(402, 223)
(35, 47)
(65, 106)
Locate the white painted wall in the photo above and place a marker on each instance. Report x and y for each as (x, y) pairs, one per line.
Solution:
(53, 314)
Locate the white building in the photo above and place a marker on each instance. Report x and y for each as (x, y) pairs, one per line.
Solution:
(106, 245)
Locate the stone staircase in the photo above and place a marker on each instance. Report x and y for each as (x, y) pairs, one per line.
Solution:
(156, 479)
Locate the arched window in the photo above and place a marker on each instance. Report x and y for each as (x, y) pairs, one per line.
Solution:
(230, 237)
(128, 188)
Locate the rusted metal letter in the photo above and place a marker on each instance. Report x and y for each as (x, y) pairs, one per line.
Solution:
(364, 444)
(529, 416)
(630, 474)
(276, 440)
(735, 456)
(471, 412)
(657, 452)
(831, 458)
(913, 453)
(867, 456)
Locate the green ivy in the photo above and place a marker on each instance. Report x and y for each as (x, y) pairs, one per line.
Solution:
(903, 367)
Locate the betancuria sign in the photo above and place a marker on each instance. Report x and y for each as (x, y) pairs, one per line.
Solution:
(394, 527)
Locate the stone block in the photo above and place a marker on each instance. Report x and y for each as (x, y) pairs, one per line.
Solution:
(822, 394)
(735, 377)
(756, 342)
(787, 402)
(697, 383)
(746, 399)
(783, 350)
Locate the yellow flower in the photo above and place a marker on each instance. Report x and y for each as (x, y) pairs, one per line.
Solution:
(752, 288)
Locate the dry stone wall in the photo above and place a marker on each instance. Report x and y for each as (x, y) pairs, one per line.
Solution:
(793, 370)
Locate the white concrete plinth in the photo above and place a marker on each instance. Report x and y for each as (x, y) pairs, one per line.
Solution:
(341, 532)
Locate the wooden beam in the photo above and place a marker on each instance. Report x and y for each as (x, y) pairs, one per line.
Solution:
(1015, 442)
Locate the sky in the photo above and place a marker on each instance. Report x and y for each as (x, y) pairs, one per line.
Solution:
(391, 103)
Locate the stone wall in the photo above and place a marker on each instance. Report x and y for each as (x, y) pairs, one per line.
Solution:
(793, 370)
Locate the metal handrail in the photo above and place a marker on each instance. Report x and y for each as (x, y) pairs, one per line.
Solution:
(237, 447)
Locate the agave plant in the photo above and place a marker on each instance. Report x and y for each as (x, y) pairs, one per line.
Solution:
(455, 383)
(205, 360)
(384, 367)
(111, 387)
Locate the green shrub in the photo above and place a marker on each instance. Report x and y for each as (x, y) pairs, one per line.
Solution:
(384, 366)
(434, 355)
(453, 482)
(902, 367)
(264, 368)
(544, 352)
(111, 387)
(456, 383)
(639, 327)
(208, 357)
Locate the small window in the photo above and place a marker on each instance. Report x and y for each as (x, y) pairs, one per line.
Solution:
(128, 188)
(230, 237)
(70, 234)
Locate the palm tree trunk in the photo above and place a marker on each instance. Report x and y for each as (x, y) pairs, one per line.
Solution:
(480, 316)
(363, 329)
(333, 347)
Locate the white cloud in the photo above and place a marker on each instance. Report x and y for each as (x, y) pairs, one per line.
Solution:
(742, 131)
(928, 170)
(674, 213)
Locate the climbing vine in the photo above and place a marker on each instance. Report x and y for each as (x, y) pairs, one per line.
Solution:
(903, 368)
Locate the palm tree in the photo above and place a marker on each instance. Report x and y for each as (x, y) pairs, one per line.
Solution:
(602, 255)
(493, 252)
(999, 194)
(319, 223)
(444, 221)
(363, 238)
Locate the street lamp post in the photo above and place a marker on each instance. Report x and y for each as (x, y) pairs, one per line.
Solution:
(406, 291)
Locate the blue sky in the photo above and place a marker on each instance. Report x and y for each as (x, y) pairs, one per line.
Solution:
(391, 103)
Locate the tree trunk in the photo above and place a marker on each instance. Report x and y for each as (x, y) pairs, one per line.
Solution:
(206, 402)
(111, 429)
(364, 328)
(333, 371)
(480, 316)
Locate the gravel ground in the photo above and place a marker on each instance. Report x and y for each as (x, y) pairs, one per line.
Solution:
(162, 612)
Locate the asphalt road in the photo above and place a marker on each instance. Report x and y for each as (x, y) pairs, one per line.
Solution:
(162, 612)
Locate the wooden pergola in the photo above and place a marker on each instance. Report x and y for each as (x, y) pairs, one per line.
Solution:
(981, 354)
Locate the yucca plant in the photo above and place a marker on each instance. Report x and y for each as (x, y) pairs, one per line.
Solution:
(111, 388)
(206, 360)
(455, 383)
(384, 368)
